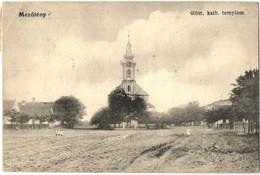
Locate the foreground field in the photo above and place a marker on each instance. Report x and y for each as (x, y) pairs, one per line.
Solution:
(130, 151)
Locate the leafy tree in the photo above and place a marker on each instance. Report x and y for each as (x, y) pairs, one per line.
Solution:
(102, 117)
(119, 105)
(191, 112)
(194, 113)
(158, 118)
(176, 115)
(24, 118)
(124, 108)
(69, 110)
(220, 114)
(145, 117)
(13, 114)
(245, 97)
(16, 117)
(138, 108)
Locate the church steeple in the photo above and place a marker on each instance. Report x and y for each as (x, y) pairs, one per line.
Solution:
(128, 63)
(128, 54)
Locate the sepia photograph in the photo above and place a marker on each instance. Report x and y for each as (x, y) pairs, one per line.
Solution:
(130, 87)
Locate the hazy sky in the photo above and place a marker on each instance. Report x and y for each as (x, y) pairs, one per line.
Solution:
(76, 50)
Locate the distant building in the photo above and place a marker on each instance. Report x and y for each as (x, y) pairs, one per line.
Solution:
(35, 110)
(218, 104)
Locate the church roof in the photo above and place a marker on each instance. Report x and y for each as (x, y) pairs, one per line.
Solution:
(150, 105)
(140, 91)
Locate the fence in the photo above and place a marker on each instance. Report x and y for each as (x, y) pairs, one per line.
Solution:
(237, 126)
(25, 126)
(225, 126)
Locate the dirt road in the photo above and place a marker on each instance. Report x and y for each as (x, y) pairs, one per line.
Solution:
(167, 150)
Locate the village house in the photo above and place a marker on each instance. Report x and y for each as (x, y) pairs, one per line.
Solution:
(225, 124)
(218, 104)
(38, 112)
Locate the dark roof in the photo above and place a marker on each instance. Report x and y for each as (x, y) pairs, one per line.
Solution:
(140, 91)
(219, 104)
(36, 108)
(8, 104)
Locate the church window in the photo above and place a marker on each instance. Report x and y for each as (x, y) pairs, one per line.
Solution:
(128, 73)
(129, 88)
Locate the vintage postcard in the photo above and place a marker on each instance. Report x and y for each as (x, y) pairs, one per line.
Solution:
(130, 87)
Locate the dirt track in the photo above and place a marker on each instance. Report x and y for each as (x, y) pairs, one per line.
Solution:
(130, 151)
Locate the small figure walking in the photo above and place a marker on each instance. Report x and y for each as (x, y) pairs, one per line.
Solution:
(188, 132)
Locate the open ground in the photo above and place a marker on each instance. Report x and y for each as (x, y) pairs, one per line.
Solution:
(168, 150)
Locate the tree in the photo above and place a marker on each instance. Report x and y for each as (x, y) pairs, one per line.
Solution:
(24, 118)
(245, 98)
(124, 108)
(102, 117)
(189, 113)
(16, 117)
(145, 118)
(194, 113)
(69, 110)
(13, 114)
(119, 105)
(137, 109)
(157, 118)
(175, 115)
(223, 113)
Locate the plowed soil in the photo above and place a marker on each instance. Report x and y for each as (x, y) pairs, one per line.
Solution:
(169, 150)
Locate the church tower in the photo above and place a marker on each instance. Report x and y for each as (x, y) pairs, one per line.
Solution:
(128, 65)
(128, 83)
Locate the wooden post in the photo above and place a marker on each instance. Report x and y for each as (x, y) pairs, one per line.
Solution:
(248, 128)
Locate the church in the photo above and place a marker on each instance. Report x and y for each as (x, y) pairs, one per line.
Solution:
(129, 83)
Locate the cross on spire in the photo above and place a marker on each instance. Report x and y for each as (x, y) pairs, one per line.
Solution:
(128, 36)
(129, 54)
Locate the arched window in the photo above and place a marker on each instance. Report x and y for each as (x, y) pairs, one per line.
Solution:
(128, 73)
(129, 88)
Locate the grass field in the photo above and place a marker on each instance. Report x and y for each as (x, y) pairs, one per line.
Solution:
(168, 150)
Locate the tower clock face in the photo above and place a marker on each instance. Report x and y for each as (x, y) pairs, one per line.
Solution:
(128, 64)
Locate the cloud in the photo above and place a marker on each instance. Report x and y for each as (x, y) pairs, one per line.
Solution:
(202, 79)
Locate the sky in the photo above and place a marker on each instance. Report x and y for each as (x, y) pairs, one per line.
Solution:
(77, 48)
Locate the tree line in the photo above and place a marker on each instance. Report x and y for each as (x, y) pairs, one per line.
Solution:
(124, 108)
(68, 110)
(244, 97)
